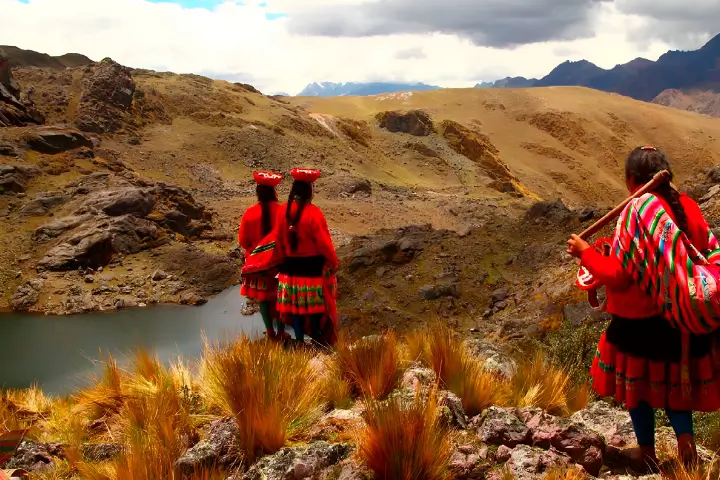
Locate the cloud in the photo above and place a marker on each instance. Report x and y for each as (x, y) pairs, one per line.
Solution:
(494, 23)
(237, 40)
(685, 24)
(411, 53)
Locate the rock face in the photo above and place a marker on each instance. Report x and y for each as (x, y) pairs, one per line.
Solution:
(218, 449)
(402, 249)
(124, 218)
(13, 110)
(528, 463)
(14, 178)
(51, 140)
(43, 203)
(106, 99)
(493, 359)
(27, 295)
(413, 122)
(317, 460)
(554, 212)
(501, 427)
(33, 456)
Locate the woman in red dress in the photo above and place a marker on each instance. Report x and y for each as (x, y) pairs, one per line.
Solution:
(306, 281)
(638, 360)
(256, 223)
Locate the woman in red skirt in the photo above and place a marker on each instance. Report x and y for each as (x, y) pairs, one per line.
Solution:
(305, 292)
(638, 360)
(256, 223)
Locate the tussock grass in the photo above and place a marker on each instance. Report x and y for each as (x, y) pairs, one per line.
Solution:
(566, 474)
(456, 368)
(405, 439)
(273, 394)
(678, 471)
(372, 365)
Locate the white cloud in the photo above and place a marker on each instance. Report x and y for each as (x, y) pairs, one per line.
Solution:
(237, 41)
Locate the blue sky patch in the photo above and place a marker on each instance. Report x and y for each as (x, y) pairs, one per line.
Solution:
(24, 1)
(275, 16)
(207, 4)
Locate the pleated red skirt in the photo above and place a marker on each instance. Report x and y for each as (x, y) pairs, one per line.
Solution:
(259, 287)
(630, 380)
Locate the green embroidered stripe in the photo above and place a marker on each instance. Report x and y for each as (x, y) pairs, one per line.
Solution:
(263, 248)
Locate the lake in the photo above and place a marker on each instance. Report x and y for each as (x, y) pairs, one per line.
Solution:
(58, 352)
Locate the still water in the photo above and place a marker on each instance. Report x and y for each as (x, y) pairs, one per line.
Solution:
(58, 353)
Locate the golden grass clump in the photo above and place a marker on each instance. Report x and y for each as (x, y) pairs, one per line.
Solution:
(405, 439)
(372, 365)
(566, 474)
(273, 394)
(457, 369)
(678, 471)
(539, 383)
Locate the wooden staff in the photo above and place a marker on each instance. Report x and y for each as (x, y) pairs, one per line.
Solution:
(659, 178)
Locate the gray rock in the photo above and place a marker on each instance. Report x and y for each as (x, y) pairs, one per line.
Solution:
(468, 462)
(192, 298)
(14, 178)
(42, 204)
(416, 378)
(555, 212)
(27, 295)
(219, 449)
(57, 227)
(100, 452)
(414, 122)
(612, 424)
(34, 456)
(159, 275)
(451, 409)
(501, 427)
(494, 360)
(528, 463)
(299, 463)
(120, 201)
(53, 139)
(433, 292)
(500, 295)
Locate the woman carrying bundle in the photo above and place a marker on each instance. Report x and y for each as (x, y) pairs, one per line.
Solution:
(306, 291)
(256, 223)
(642, 360)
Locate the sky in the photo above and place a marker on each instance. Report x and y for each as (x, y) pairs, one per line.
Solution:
(282, 45)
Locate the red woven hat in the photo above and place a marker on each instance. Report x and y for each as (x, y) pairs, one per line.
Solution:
(270, 179)
(305, 174)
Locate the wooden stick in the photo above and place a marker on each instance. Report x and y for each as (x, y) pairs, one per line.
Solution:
(659, 178)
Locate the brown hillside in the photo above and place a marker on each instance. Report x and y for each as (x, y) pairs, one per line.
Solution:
(698, 101)
(471, 160)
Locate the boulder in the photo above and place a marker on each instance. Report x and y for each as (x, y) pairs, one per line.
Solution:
(413, 122)
(57, 227)
(94, 243)
(219, 449)
(53, 139)
(612, 424)
(15, 109)
(433, 292)
(417, 377)
(451, 409)
(584, 446)
(100, 452)
(529, 463)
(34, 456)
(106, 98)
(494, 360)
(553, 211)
(298, 463)
(14, 178)
(469, 462)
(192, 298)
(42, 204)
(27, 295)
(500, 426)
(119, 201)
(336, 424)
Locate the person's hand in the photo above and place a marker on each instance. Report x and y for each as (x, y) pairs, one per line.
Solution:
(576, 246)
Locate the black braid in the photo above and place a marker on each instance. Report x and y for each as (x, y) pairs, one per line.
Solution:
(265, 195)
(300, 192)
(641, 166)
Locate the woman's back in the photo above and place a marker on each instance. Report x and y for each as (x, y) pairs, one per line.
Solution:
(251, 230)
(313, 234)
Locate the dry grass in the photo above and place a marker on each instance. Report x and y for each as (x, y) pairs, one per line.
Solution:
(565, 474)
(678, 471)
(457, 370)
(405, 439)
(272, 394)
(539, 383)
(372, 365)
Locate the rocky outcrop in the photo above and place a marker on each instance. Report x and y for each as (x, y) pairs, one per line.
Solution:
(106, 98)
(34, 456)
(553, 212)
(100, 452)
(478, 148)
(502, 427)
(413, 122)
(219, 449)
(319, 460)
(14, 110)
(43, 203)
(407, 243)
(529, 463)
(14, 178)
(27, 295)
(119, 219)
(52, 139)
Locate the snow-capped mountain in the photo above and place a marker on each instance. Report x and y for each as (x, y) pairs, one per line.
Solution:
(331, 89)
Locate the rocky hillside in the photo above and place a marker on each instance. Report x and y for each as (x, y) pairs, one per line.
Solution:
(703, 102)
(133, 181)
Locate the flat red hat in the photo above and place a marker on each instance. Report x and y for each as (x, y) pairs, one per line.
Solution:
(305, 174)
(269, 179)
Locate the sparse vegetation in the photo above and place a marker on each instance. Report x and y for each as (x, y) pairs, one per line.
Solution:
(405, 439)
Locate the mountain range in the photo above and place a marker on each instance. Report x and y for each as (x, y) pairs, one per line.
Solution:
(641, 79)
(330, 89)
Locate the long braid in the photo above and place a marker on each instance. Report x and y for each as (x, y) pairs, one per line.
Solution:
(265, 195)
(642, 164)
(301, 192)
